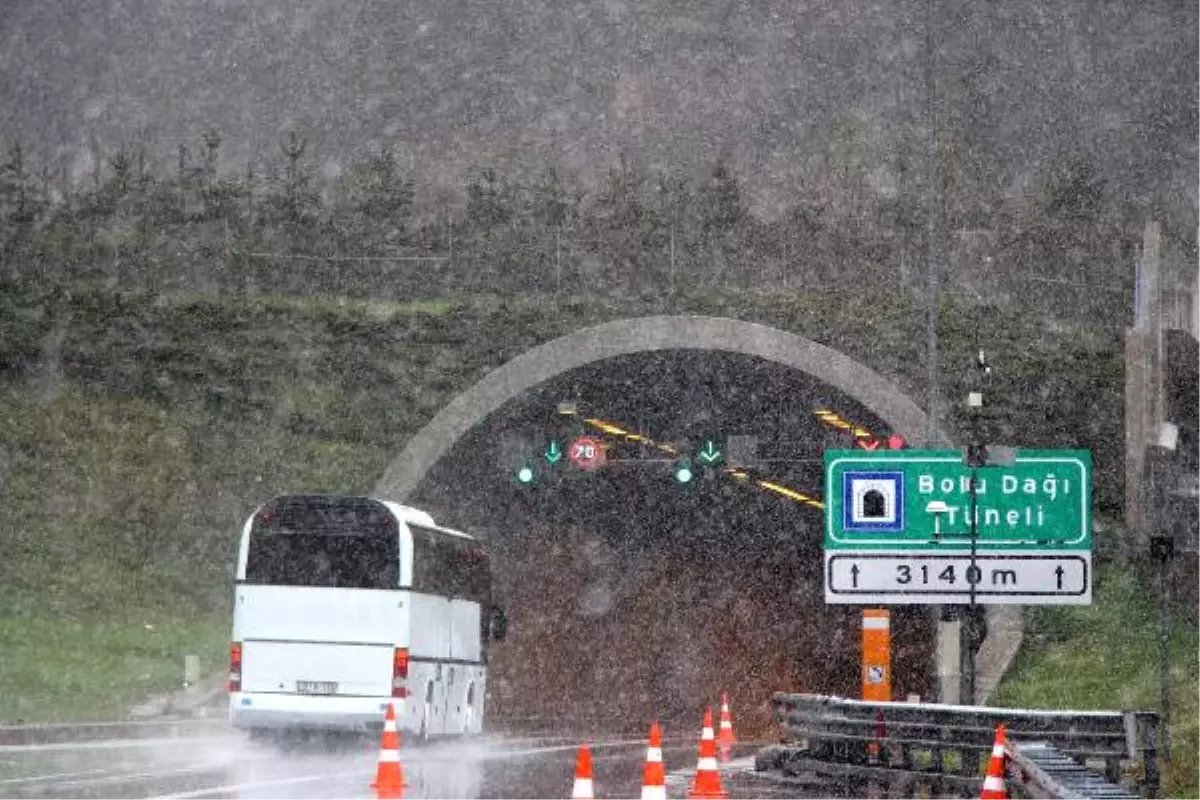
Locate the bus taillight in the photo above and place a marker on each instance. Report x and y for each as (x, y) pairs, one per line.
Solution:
(400, 673)
(234, 684)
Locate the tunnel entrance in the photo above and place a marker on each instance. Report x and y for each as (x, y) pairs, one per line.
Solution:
(633, 597)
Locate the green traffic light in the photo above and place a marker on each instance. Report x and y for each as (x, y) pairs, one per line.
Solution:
(683, 473)
(525, 475)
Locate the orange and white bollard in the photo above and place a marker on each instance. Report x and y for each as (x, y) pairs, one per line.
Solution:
(654, 777)
(583, 788)
(994, 785)
(725, 738)
(707, 783)
(389, 776)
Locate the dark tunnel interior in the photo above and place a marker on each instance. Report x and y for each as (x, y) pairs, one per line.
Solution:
(632, 596)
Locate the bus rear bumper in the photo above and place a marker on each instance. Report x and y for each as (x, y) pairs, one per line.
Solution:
(253, 710)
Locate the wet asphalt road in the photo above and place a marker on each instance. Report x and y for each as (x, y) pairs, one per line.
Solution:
(220, 763)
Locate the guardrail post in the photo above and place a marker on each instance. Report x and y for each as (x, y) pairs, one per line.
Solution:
(1141, 736)
(191, 670)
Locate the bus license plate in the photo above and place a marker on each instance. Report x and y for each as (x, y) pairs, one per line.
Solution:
(316, 687)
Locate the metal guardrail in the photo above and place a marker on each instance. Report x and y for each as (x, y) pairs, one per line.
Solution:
(1045, 772)
(919, 737)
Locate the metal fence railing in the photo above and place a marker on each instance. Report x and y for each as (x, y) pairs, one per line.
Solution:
(953, 741)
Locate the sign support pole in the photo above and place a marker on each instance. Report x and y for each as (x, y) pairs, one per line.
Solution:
(976, 457)
(968, 631)
(1164, 664)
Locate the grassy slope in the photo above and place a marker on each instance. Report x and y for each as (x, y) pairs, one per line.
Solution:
(107, 537)
(128, 466)
(1105, 656)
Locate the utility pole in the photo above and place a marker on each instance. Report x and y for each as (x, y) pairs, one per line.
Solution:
(672, 258)
(1162, 550)
(932, 187)
(979, 379)
(932, 181)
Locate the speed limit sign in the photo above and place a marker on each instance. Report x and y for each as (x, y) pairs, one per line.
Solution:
(586, 453)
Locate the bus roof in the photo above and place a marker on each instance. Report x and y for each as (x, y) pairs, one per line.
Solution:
(422, 518)
(402, 512)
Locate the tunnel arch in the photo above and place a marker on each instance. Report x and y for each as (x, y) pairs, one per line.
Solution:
(691, 332)
(638, 335)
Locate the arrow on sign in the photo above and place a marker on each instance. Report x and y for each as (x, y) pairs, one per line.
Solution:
(710, 454)
(553, 454)
(854, 576)
(868, 444)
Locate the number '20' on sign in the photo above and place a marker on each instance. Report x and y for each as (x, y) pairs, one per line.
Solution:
(586, 453)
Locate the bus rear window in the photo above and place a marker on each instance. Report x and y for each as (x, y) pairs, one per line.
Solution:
(309, 559)
(449, 566)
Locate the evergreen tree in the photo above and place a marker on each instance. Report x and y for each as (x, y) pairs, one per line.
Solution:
(379, 198)
(720, 209)
(622, 225)
(22, 203)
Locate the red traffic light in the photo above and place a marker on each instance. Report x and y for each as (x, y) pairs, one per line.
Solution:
(896, 442)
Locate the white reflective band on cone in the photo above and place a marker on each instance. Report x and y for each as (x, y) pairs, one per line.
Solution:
(654, 793)
(709, 764)
(875, 623)
(706, 734)
(726, 724)
(388, 756)
(997, 751)
(993, 784)
(654, 754)
(582, 790)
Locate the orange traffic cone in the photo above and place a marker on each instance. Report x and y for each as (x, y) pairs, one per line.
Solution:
(583, 775)
(707, 784)
(389, 777)
(654, 778)
(725, 738)
(994, 786)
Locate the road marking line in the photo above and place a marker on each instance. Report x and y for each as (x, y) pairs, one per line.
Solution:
(50, 776)
(236, 787)
(143, 776)
(112, 744)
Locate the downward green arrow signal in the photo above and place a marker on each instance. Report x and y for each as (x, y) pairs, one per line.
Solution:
(709, 454)
(553, 453)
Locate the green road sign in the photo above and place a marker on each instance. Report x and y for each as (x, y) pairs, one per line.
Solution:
(554, 452)
(912, 500)
(710, 454)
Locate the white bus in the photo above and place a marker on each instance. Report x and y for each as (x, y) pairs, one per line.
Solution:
(344, 604)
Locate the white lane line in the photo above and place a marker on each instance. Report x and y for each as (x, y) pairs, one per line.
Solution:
(52, 776)
(113, 744)
(239, 787)
(130, 777)
(102, 776)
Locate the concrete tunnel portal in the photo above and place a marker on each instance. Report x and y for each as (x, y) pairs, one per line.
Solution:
(528, 675)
